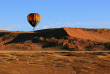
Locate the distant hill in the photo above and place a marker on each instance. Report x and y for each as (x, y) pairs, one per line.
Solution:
(65, 38)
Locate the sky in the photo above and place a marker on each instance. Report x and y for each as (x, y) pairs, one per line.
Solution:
(54, 14)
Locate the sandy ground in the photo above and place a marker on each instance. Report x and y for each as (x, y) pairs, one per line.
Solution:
(54, 62)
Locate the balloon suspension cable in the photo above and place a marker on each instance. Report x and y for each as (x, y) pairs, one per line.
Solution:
(34, 28)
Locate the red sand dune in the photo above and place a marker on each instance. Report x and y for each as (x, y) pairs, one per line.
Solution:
(78, 33)
(57, 38)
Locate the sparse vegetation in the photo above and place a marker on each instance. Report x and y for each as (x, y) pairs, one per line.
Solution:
(60, 62)
(63, 38)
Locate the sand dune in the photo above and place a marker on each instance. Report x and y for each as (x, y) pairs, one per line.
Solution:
(78, 33)
(56, 38)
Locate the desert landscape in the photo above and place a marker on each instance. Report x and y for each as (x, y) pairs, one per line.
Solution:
(54, 36)
(55, 51)
(75, 39)
(54, 62)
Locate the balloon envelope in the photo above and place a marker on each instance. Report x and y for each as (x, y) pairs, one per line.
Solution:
(34, 19)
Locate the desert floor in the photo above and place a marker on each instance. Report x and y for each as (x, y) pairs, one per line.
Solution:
(54, 62)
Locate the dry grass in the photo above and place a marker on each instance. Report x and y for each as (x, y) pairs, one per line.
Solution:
(54, 62)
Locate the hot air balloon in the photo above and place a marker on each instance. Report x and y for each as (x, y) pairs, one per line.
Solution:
(34, 19)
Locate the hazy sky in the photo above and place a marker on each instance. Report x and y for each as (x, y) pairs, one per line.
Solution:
(54, 14)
